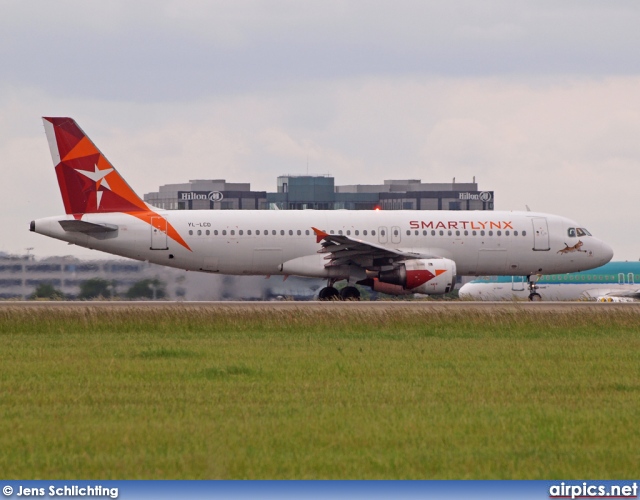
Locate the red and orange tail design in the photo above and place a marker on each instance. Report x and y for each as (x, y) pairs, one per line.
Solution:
(88, 182)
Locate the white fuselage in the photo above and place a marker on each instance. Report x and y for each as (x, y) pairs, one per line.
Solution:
(518, 290)
(262, 242)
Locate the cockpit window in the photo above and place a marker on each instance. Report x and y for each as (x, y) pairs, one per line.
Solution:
(571, 232)
(582, 232)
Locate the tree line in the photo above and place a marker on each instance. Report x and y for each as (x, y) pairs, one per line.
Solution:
(99, 288)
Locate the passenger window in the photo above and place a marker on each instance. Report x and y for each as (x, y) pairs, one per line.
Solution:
(233, 232)
(207, 232)
(273, 232)
(357, 233)
(441, 232)
(425, 232)
(364, 232)
(524, 233)
(348, 232)
(240, 232)
(457, 233)
(199, 232)
(373, 232)
(466, 233)
(307, 232)
(224, 232)
(290, 232)
(433, 233)
(395, 232)
(475, 233)
(340, 231)
(190, 232)
(571, 232)
(299, 232)
(506, 233)
(449, 233)
(408, 233)
(515, 233)
(281, 232)
(257, 232)
(499, 233)
(481, 233)
(215, 232)
(248, 232)
(417, 233)
(490, 233)
(383, 232)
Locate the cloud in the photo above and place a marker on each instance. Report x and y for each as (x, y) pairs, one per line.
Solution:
(168, 50)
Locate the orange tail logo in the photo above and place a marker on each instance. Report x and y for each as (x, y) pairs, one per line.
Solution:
(88, 182)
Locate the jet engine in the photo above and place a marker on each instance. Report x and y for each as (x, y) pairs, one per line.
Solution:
(428, 276)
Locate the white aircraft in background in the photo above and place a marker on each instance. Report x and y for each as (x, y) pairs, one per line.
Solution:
(396, 252)
(613, 282)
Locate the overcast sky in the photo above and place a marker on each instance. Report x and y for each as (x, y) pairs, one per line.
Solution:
(539, 100)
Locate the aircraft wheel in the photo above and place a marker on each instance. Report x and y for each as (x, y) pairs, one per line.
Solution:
(329, 293)
(535, 297)
(350, 293)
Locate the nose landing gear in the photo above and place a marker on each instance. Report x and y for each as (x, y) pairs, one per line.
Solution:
(534, 296)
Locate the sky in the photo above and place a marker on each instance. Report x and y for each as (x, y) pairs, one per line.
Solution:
(539, 100)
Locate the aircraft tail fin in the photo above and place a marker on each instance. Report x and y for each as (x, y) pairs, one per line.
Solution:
(88, 182)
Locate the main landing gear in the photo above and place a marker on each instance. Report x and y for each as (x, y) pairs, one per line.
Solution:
(331, 293)
(534, 296)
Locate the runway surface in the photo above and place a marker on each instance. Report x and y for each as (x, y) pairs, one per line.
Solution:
(436, 306)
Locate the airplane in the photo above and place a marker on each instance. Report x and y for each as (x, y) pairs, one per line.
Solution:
(394, 252)
(613, 282)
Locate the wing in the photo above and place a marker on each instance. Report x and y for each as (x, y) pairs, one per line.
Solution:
(629, 293)
(344, 250)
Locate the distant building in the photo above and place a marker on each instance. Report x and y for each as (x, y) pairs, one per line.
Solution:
(216, 194)
(301, 192)
(20, 275)
(305, 191)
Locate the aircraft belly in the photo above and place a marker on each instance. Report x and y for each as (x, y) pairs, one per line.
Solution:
(492, 261)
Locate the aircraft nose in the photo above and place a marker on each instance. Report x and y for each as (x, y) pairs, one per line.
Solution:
(605, 253)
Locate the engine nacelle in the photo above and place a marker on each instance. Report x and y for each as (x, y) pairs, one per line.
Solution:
(428, 276)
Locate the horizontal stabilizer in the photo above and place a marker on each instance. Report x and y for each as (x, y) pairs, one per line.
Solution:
(80, 226)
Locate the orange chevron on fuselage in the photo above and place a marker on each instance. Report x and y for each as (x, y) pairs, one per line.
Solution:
(89, 183)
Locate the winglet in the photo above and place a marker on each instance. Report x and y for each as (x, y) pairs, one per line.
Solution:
(320, 235)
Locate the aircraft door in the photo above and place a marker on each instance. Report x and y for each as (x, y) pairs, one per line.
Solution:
(630, 278)
(395, 234)
(383, 237)
(159, 233)
(540, 234)
(517, 283)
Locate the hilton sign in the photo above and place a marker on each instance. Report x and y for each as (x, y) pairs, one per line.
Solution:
(200, 195)
(482, 196)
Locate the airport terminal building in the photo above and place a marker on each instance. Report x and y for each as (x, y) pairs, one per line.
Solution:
(319, 192)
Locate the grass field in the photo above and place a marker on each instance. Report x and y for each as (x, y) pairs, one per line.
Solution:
(234, 393)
